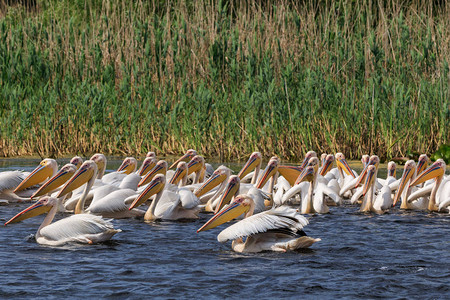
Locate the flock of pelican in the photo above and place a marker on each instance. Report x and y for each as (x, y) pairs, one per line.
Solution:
(270, 204)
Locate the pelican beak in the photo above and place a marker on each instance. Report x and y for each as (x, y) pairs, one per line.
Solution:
(326, 167)
(268, 173)
(421, 166)
(53, 183)
(249, 166)
(362, 176)
(435, 170)
(186, 157)
(307, 175)
(147, 166)
(212, 182)
(228, 213)
(291, 173)
(153, 188)
(126, 167)
(83, 175)
(194, 166)
(179, 173)
(407, 174)
(392, 172)
(231, 190)
(369, 180)
(34, 210)
(158, 169)
(40, 174)
(342, 163)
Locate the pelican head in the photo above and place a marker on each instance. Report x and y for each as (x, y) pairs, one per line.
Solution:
(148, 164)
(219, 175)
(323, 158)
(154, 187)
(436, 170)
(327, 164)
(151, 154)
(46, 169)
(254, 161)
(373, 161)
(128, 165)
(370, 177)
(392, 169)
(100, 160)
(180, 172)
(365, 160)
(159, 168)
(85, 173)
(308, 156)
(56, 181)
(408, 172)
(231, 190)
(308, 174)
(40, 207)
(342, 164)
(196, 164)
(76, 161)
(270, 170)
(422, 163)
(242, 204)
(186, 157)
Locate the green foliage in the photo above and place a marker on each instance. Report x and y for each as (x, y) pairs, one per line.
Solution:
(224, 77)
(443, 152)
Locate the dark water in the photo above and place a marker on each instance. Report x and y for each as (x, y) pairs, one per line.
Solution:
(400, 255)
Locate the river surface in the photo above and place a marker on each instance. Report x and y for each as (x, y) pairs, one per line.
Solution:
(399, 255)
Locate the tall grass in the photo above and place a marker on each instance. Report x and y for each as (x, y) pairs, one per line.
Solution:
(224, 77)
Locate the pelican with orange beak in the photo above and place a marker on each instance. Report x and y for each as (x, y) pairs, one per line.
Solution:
(435, 171)
(383, 200)
(63, 175)
(46, 169)
(167, 205)
(81, 228)
(278, 229)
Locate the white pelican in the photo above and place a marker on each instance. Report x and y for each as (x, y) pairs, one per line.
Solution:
(383, 200)
(214, 186)
(112, 205)
(18, 186)
(253, 164)
(81, 228)
(128, 166)
(66, 172)
(160, 168)
(148, 164)
(278, 229)
(409, 174)
(436, 171)
(167, 205)
(291, 173)
(76, 161)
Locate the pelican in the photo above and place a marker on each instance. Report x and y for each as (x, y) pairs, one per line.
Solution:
(291, 173)
(167, 205)
(148, 164)
(18, 186)
(82, 228)
(383, 200)
(278, 229)
(216, 184)
(253, 163)
(66, 172)
(409, 174)
(111, 205)
(76, 161)
(128, 166)
(436, 171)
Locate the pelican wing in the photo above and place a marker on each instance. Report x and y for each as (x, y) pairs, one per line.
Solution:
(276, 218)
(75, 228)
(113, 202)
(9, 180)
(188, 199)
(167, 204)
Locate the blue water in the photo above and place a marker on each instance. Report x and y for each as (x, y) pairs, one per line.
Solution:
(399, 255)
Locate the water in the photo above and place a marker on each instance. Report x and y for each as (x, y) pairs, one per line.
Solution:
(397, 255)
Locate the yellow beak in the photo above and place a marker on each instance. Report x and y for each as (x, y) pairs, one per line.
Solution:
(153, 188)
(249, 166)
(147, 166)
(228, 213)
(433, 171)
(179, 173)
(407, 174)
(342, 163)
(369, 180)
(34, 210)
(231, 190)
(307, 175)
(326, 167)
(212, 182)
(82, 176)
(291, 173)
(184, 158)
(40, 174)
(53, 183)
(126, 168)
(158, 169)
(268, 172)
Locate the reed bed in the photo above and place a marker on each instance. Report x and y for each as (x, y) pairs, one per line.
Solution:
(224, 77)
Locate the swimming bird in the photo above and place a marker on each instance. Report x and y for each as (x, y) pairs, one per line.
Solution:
(81, 228)
(383, 201)
(278, 229)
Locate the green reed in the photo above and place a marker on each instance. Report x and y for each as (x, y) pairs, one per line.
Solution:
(225, 78)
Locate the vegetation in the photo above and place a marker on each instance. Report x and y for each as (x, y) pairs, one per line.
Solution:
(224, 77)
